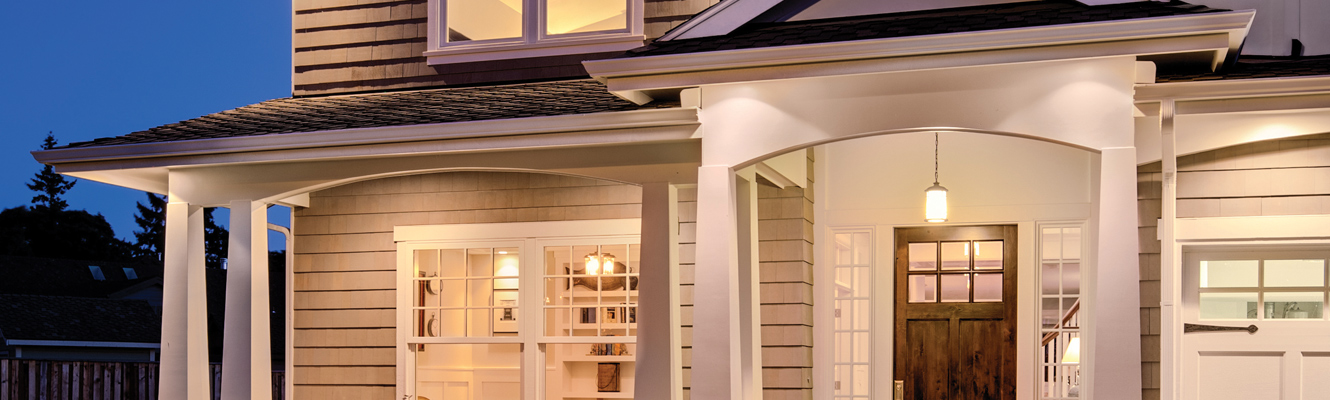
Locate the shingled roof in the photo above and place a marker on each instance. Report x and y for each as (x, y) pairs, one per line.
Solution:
(372, 110)
(28, 317)
(918, 23)
(1258, 67)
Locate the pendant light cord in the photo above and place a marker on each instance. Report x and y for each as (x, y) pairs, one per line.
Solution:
(935, 158)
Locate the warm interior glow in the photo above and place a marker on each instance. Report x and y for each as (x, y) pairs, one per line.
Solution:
(574, 16)
(594, 263)
(936, 208)
(1073, 354)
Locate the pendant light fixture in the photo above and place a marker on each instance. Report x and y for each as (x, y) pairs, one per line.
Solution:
(935, 210)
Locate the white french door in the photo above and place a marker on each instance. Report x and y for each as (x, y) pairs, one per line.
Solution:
(1282, 294)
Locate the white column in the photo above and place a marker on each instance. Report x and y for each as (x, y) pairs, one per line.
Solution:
(750, 315)
(1169, 259)
(1116, 319)
(659, 358)
(718, 342)
(184, 353)
(247, 349)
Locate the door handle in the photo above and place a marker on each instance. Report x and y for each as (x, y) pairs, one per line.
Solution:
(1189, 328)
(899, 390)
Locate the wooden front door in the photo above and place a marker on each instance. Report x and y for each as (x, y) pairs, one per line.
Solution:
(956, 312)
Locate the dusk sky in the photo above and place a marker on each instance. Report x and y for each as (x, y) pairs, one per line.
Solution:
(91, 69)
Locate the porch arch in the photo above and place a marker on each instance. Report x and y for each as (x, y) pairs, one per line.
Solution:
(884, 132)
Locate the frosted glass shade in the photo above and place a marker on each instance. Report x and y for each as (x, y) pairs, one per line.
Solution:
(936, 208)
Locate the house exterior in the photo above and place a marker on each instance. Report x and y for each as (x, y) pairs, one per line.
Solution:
(679, 199)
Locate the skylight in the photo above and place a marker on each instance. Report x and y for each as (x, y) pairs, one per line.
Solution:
(130, 274)
(96, 272)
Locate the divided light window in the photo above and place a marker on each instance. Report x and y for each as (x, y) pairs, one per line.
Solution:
(478, 30)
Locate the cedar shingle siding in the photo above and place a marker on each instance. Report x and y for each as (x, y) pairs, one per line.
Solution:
(343, 46)
(346, 261)
(1275, 177)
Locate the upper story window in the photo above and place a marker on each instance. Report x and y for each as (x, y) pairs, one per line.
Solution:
(481, 30)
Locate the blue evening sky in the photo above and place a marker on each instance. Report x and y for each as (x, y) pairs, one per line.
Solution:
(91, 69)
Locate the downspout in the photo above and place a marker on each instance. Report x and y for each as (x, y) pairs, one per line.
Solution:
(289, 347)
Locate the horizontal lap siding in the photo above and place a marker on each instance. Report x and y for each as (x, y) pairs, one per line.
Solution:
(1276, 177)
(345, 262)
(345, 46)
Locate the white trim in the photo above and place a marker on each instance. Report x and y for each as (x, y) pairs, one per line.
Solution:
(553, 47)
(1231, 26)
(76, 343)
(1286, 86)
(639, 119)
(510, 231)
(1253, 228)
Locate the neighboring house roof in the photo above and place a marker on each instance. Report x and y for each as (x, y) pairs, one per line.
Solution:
(1249, 67)
(58, 277)
(416, 107)
(63, 318)
(918, 23)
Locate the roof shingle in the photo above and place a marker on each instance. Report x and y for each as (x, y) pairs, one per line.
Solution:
(28, 317)
(918, 23)
(312, 114)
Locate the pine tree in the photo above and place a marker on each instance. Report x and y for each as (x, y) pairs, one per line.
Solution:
(214, 240)
(50, 185)
(150, 240)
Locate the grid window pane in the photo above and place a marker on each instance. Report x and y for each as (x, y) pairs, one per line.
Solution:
(923, 256)
(956, 256)
(1230, 274)
(1294, 273)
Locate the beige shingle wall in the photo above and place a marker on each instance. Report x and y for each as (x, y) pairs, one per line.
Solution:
(343, 46)
(345, 263)
(1277, 177)
(345, 260)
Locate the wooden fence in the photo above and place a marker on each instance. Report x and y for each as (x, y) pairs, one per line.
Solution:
(79, 380)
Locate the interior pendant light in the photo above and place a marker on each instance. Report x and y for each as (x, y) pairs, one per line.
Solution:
(935, 210)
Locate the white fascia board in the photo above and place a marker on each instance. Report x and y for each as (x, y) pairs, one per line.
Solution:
(639, 119)
(1230, 26)
(1230, 89)
(74, 343)
(1282, 227)
(720, 19)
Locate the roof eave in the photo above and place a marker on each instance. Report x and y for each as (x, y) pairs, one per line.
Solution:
(1221, 33)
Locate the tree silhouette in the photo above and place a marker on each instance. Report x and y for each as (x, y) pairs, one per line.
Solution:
(150, 239)
(50, 185)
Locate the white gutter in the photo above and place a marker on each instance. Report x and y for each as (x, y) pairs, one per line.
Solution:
(75, 343)
(1235, 88)
(379, 135)
(1233, 27)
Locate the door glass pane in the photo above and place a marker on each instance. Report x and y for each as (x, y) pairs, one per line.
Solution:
(573, 16)
(1049, 279)
(1070, 315)
(1050, 313)
(1071, 278)
(955, 288)
(468, 371)
(1228, 306)
(923, 288)
(956, 255)
(988, 255)
(987, 287)
(484, 20)
(1229, 273)
(1052, 243)
(1293, 273)
(862, 250)
(923, 256)
(1301, 305)
(1071, 243)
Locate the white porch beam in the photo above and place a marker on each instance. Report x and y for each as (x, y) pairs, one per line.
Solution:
(717, 364)
(184, 357)
(1115, 318)
(750, 315)
(659, 357)
(1170, 259)
(247, 348)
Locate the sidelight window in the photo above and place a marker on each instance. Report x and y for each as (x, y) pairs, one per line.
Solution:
(853, 315)
(1060, 356)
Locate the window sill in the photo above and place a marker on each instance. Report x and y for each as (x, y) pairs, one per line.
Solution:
(506, 51)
